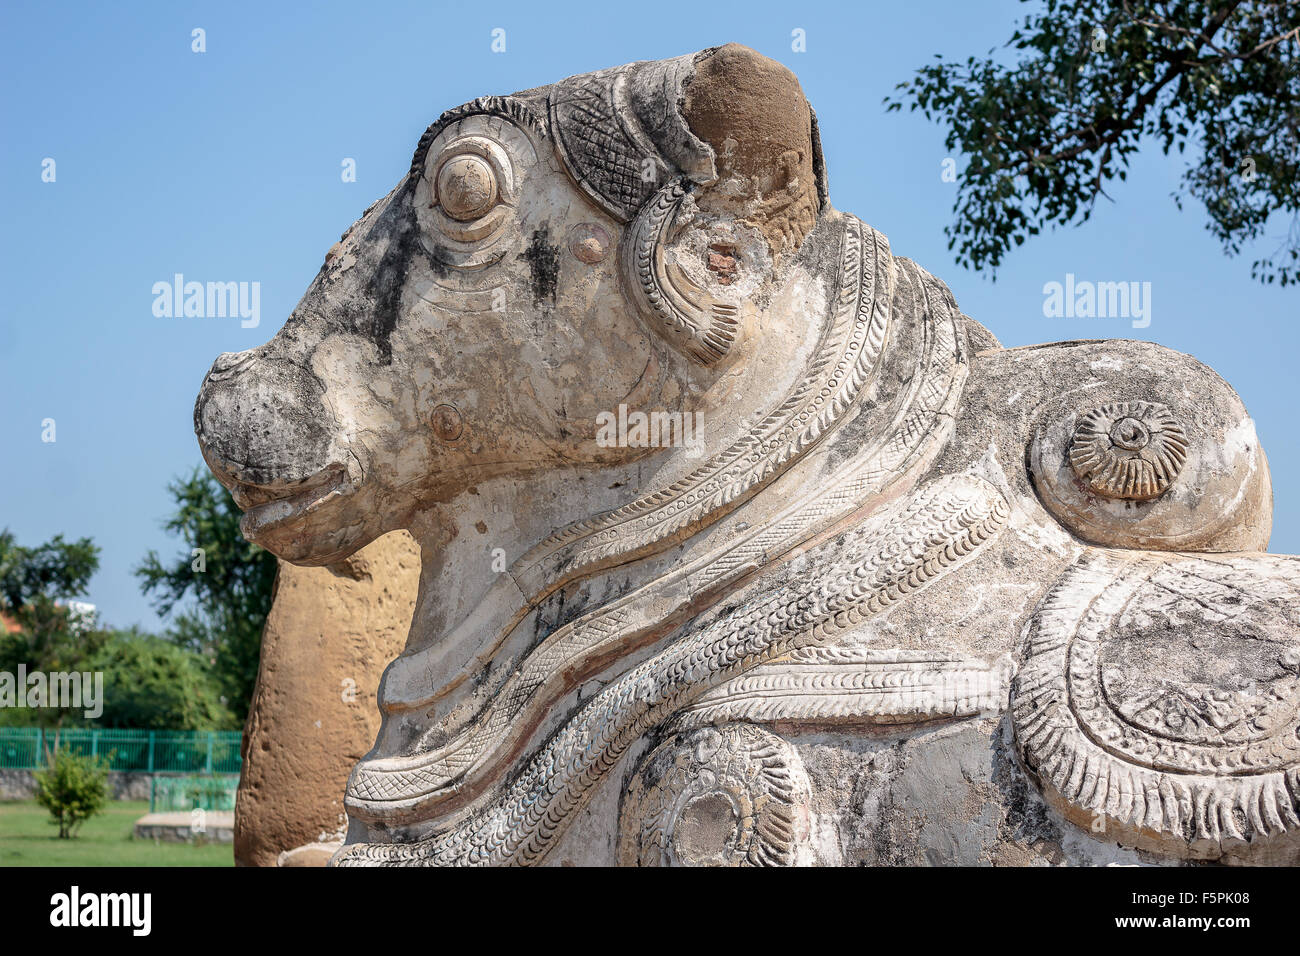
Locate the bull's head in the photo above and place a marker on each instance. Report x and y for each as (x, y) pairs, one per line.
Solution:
(623, 221)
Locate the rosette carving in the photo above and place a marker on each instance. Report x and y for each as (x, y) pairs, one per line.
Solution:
(1131, 451)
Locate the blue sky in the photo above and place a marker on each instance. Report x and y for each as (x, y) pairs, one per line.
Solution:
(225, 165)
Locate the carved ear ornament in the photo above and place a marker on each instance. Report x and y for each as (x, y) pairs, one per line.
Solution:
(685, 314)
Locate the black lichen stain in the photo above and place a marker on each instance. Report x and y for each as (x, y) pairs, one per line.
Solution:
(400, 229)
(543, 258)
(385, 291)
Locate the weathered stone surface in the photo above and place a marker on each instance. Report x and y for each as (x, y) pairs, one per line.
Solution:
(1160, 700)
(740, 543)
(308, 855)
(752, 111)
(214, 826)
(328, 637)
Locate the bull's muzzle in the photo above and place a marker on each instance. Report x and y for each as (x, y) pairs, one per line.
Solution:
(263, 427)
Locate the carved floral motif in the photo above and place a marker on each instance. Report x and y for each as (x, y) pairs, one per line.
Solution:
(1128, 450)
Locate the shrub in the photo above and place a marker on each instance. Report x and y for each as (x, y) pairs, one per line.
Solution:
(74, 787)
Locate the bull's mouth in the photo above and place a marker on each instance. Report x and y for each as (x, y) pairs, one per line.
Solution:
(269, 510)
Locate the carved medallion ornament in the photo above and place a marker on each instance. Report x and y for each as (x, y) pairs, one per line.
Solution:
(1181, 474)
(732, 796)
(1159, 700)
(1128, 450)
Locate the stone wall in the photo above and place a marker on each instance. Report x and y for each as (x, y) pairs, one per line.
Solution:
(21, 785)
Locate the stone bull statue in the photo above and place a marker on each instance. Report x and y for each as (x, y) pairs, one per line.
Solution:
(740, 543)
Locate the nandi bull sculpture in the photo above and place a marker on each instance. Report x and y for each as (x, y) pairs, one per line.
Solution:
(741, 544)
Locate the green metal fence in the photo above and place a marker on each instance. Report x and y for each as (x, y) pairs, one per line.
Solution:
(144, 751)
(169, 793)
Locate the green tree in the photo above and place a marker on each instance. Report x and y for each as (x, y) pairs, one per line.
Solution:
(1093, 78)
(74, 787)
(154, 684)
(228, 580)
(36, 585)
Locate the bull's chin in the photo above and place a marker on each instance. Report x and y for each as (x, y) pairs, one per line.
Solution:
(314, 554)
(308, 548)
(308, 528)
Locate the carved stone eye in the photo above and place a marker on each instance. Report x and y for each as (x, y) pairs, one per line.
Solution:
(467, 195)
(466, 187)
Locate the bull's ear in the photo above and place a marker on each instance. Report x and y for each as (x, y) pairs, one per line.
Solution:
(682, 309)
(713, 161)
(763, 198)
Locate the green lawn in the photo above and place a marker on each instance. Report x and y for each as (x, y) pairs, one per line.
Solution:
(27, 838)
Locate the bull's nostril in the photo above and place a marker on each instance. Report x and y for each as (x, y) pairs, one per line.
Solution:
(263, 422)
